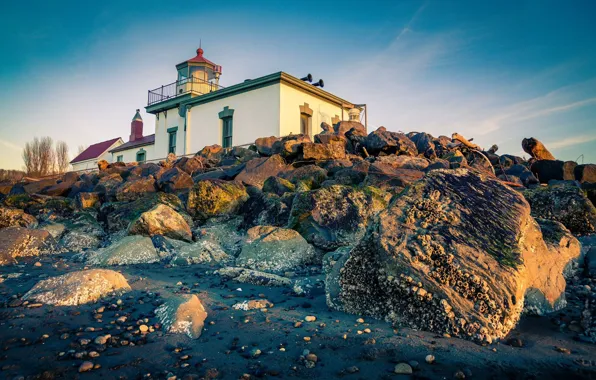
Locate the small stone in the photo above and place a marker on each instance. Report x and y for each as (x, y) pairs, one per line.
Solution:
(255, 352)
(306, 338)
(367, 331)
(403, 369)
(312, 358)
(459, 375)
(309, 364)
(86, 366)
(430, 359)
(359, 320)
(310, 318)
(297, 324)
(143, 328)
(37, 264)
(515, 342)
(103, 339)
(352, 369)
(563, 350)
(64, 336)
(93, 354)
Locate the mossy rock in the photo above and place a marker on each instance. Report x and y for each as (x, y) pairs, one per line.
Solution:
(211, 198)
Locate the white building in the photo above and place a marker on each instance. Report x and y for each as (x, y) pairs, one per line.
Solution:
(88, 159)
(195, 111)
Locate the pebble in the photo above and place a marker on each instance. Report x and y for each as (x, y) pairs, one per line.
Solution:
(352, 369)
(312, 358)
(143, 328)
(459, 375)
(86, 366)
(306, 338)
(37, 264)
(103, 339)
(430, 359)
(359, 320)
(310, 318)
(403, 369)
(255, 352)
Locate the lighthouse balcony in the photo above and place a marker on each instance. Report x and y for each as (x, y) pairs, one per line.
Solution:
(193, 86)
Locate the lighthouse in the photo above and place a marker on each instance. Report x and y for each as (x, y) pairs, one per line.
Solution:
(197, 75)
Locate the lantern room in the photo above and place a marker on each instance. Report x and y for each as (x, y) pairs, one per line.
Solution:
(198, 75)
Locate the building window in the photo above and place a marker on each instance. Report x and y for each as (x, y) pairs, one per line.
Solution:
(227, 119)
(141, 156)
(120, 158)
(305, 120)
(172, 139)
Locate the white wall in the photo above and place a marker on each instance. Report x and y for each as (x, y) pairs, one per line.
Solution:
(130, 155)
(256, 114)
(292, 99)
(167, 120)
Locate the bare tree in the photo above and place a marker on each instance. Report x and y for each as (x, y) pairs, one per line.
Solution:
(62, 161)
(39, 157)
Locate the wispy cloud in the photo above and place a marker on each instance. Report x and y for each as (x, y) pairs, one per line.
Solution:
(571, 141)
(10, 145)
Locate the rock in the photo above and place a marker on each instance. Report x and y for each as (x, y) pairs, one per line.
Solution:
(86, 366)
(161, 220)
(403, 369)
(523, 173)
(119, 215)
(456, 159)
(588, 244)
(132, 190)
(424, 145)
(211, 152)
(254, 277)
(278, 186)
(585, 173)
(210, 198)
(86, 200)
(108, 184)
(258, 170)
(290, 146)
(266, 209)
(60, 189)
(174, 180)
(536, 149)
(404, 162)
(430, 359)
(333, 262)
(102, 165)
(182, 314)
(191, 165)
(125, 251)
(427, 262)
(384, 175)
(77, 288)
(334, 150)
(13, 217)
(265, 145)
(387, 142)
(201, 252)
(82, 232)
(18, 242)
(515, 342)
(565, 203)
(345, 126)
(274, 249)
(252, 305)
(335, 216)
(309, 175)
(548, 170)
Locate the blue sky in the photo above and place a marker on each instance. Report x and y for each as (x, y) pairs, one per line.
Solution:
(495, 71)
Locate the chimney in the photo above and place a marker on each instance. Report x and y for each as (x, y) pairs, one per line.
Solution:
(136, 127)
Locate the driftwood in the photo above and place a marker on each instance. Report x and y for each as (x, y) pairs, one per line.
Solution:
(463, 140)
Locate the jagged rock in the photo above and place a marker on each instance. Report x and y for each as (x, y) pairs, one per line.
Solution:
(290, 146)
(384, 175)
(333, 150)
(17, 242)
(151, 169)
(585, 173)
(102, 165)
(266, 209)
(108, 184)
(86, 200)
(254, 277)
(128, 250)
(37, 187)
(332, 264)
(565, 203)
(425, 145)
(62, 188)
(174, 180)
(335, 216)
(258, 170)
(201, 252)
(5, 187)
(507, 160)
(588, 247)
(536, 149)
(161, 220)
(456, 159)
(275, 249)
(243, 154)
(404, 162)
(428, 262)
(14, 217)
(211, 152)
(548, 170)
(132, 190)
(82, 231)
(118, 215)
(56, 230)
(182, 314)
(190, 165)
(345, 126)
(278, 186)
(387, 142)
(265, 145)
(77, 288)
(310, 175)
(211, 198)
(523, 173)
(354, 175)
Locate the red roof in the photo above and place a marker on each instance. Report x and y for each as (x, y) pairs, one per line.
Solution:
(94, 150)
(200, 59)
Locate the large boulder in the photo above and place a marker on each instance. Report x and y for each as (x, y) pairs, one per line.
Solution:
(128, 250)
(388, 142)
(210, 198)
(310, 175)
(108, 184)
(335, 216)
(174, 180)
(77, 288)
(585, 173)
(182, 314)
(278, 186)
(454, 253)
(258, 170)
(266, 209)
(536, 149)
(548, 170)
(565, 203)
(333, 150)
(132, 190)
(264, 145)
(161, 220)
(202, 252)
(384, 175)
(82, 231)
(424, 145)
(36, 187)
(85, 200)
(274, 249)
(190, 165)
(19, 242)
(290, 146)
(14, 217)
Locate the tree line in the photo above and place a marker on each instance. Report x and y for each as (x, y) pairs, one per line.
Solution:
(42, 157)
